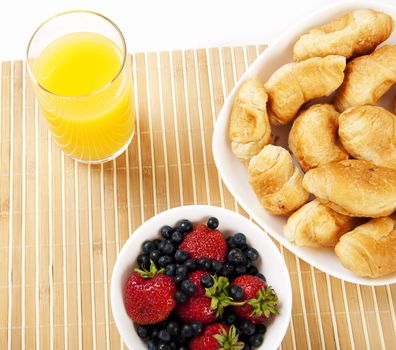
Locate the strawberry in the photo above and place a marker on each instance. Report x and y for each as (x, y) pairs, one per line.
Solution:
(217, 336)
(206, 308)
(203, 242)
(196, 278)
(148, 295)
(260, 299)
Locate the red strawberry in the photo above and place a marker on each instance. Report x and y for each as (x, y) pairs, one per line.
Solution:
(217, 336)
(148, 296)
(202, 242)
(196, 278)
(206, 308)
(261, 300)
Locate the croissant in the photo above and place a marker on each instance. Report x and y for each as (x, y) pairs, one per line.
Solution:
(355, 33)
(367, 78)
(276, 181)
(369, 133)
(313, 138)
(316, 225)
(354, 187)
(370, 249)
(296, 83)
(250, 129)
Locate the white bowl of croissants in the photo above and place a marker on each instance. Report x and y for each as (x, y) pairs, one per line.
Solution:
(306, 141)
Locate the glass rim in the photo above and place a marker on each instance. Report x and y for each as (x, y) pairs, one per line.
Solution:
(124, 54)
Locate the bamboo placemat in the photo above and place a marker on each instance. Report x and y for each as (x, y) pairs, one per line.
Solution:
(63, 223)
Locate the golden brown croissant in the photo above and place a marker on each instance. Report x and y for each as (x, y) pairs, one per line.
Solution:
(355, 33)
(369, 133)
(276, 181)
(316, 225)
(250, 129)
(313, 138)
(367, 78)
(354, 187)
(296, 83)
(370, 249)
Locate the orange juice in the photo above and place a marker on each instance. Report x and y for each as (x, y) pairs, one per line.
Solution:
(85, 94)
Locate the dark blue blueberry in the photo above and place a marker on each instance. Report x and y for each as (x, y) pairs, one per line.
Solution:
(181, 339)
(236, 256)
(240, 270)
(180, 297)
(155, 255)
(197, 328)
(179, 279)
(177, 237)
(207, 281)
(247, 328)
(230, 242)
(174, 345)
(236, 292)
(170, 270)
(148, 246)
(168, 248)
(142, 331)
(204, 264)
(216, 266)
(163, 346)
(154, 334)
(186, 331)
(239, 239)
(188, 287)
(173, 328)
(182, 271)
(261, 276)
(228, 269)
(191, 264)
(252, 270)
(247, 347)
(183, 347)
(181, 255)
(164, 260)
(230, 318)
(185, 226)
(255, 340)
(213, 223)
(164, 335)
(143, 261)
(260, 328)
(157, 242)
(151, 345)
(166, 231)
(252, 254)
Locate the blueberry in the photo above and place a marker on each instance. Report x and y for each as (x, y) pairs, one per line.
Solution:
(185, 226)
(166, 231)
(207, 281)
(180, 297)
(168, 248)
(151, 345)
(164, 335)
(261, 276)
(179, 279)
(244, 247)
(173, 328)
(181, 255)
(230, 242)
(164, 260)
(174, 345)
(191, 264)
(247, 347)
(230, 318)
(155, 255)
(197, 328)
(182, 271)
(143, 261)
(252, 254)
(236, 292)
(256, 340)
(228, 269)
(177, 237)
(186, 331)
(142, 331)
(163, 346)
(183, 347)
(240, 270)
(236, 256)
(239, 239)
(157, 242)
(188, 287)
(154, 334)
(217, 266)
(252, 270)
(204, 263)
(260, 328)
(181, 339)
(170, 269)
(247, 328)
(213, 223)
(148, 246)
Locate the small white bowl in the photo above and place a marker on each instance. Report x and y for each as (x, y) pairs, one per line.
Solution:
(271, 264)
(234, 173)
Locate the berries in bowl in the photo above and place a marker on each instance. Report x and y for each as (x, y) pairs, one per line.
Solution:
(200, 277)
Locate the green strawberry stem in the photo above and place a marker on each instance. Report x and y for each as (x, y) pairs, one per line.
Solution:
(220, 296)
(265, 303)
(229, 340)
(150, 273)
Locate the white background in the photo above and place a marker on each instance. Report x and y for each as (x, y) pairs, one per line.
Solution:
(151, 25)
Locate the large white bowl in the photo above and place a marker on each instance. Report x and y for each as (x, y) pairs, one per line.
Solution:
(271, 264)
(234, 173)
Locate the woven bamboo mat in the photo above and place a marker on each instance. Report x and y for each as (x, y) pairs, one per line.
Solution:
(63, 223)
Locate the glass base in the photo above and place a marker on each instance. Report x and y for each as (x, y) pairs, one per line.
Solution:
(104, 160)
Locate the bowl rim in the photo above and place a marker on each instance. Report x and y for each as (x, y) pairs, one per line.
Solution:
(223, 118)
(117, 306)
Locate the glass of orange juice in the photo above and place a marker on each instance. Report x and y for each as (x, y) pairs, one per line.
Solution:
(82, 80)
